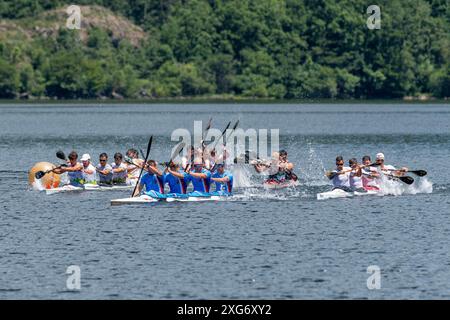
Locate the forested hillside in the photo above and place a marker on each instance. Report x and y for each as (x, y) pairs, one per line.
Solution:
(284, 49)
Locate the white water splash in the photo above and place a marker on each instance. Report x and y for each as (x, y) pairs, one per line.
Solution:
(396, 188)
(241, 176)
(313, 171)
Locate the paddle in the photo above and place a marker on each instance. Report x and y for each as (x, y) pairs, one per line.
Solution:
(61, 155)
(405, 179)
(142, 168)
(420, 173)
(223, 132)
(40, 174)
(176, 153)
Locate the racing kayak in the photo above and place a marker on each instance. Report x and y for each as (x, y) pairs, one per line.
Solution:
(88, 187)
(339, 193)
(147, 199)
(274, 184)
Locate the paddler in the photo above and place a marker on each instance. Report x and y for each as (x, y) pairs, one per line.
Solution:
(74, 170)
(389, 169)
(280, 169)
(104, 170)
(223, 180)
(133, 168)
(119, 170)
(200, 178)
(177, 180)
(340, 176)
(355, 176)
(369, 174)
(152, 182)
(89, 172)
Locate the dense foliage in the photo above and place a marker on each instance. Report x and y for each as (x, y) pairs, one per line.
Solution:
(251, 48)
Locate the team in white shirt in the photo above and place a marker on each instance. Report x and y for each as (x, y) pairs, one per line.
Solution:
(362, 177)
(117, 173)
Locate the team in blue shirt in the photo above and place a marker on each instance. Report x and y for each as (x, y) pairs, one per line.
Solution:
(153, 181)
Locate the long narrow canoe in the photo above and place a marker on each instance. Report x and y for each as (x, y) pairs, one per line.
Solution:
(88, 187)
(144, 199)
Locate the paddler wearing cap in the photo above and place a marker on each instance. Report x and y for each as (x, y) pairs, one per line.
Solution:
(89, 172)
(223, 180)
(152, 182)
(200, 178)
(387, 168)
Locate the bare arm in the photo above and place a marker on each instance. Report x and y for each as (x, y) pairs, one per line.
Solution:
(222, 180)
(198, 175)
(176, 174)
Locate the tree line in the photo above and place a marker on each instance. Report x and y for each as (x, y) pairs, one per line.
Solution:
(282, 49)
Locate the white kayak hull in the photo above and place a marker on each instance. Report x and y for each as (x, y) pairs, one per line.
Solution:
(339, 193)
(281, 185)
(147, 199)
(88, 187)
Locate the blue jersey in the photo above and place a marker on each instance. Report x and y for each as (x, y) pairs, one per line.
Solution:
(152, 182)
(224, 186)
(177, 185)
(201, 185)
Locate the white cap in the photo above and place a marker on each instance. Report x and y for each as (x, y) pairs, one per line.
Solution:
(85, 157)
(380, 156)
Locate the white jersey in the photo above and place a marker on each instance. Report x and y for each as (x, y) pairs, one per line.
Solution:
(90, 178)
(341, 180)
(368, 181)
(355, 181)
(120, 177)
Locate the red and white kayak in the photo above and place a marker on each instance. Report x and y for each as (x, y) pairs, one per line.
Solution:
(275, 184)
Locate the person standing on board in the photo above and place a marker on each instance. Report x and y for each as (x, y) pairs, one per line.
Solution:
(200, 178)
(89, 172)
(152, 182)
(177, 180)
(119, 170)
(104, 170)
(369, 175)
(223, 180)
(73, 169)
(340, 176)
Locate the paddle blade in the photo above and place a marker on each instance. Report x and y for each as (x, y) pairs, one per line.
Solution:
(406, 179)
(61, 155)
(236, 125)
(420, 173)
(177, 151)
(38, 175)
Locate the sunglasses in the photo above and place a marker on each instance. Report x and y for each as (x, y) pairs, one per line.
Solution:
(104, 160)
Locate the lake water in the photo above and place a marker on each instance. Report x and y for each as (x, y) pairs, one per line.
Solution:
(259, 244)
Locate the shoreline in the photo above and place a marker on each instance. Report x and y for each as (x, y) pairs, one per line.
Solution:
(221, 100)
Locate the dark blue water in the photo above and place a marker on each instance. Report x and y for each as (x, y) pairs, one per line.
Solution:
(260, 244)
